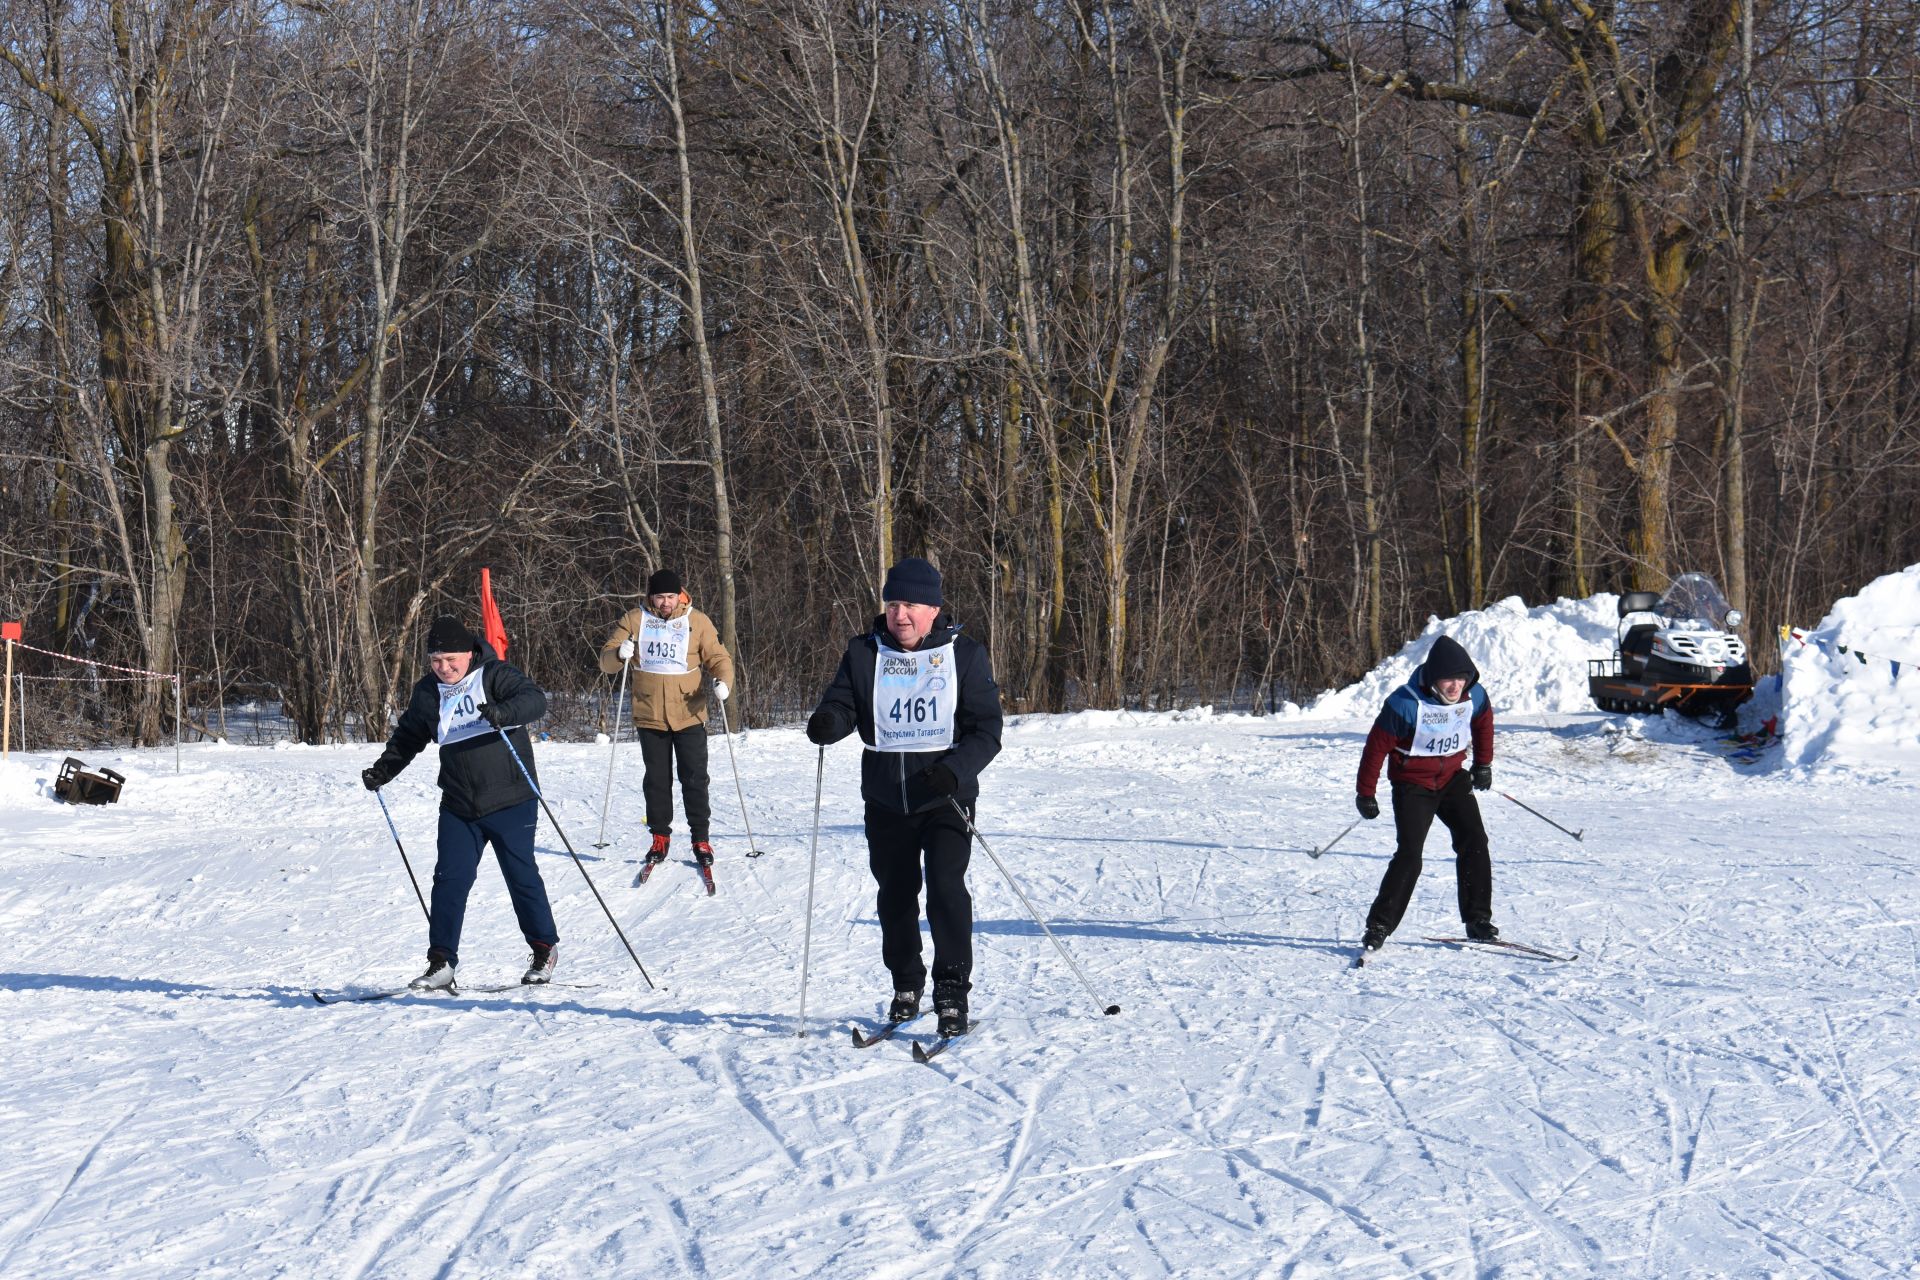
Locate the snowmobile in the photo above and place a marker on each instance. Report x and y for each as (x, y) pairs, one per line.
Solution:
(1685, 657)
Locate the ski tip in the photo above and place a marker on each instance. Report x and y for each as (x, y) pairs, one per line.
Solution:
(1111, 1009)
(919, 1054)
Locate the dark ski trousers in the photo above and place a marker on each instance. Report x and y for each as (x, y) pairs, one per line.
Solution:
(896, 845)
(510, 831)
(660, 749)
(1414, 809)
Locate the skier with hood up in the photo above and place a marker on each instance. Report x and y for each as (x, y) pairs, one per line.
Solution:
(464, 703)
(1422, 734)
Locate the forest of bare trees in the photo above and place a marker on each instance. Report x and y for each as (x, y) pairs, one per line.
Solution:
(1207, 346)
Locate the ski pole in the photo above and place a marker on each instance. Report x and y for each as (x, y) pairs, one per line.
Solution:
(403, 858)
(1108, 1009)
(619, 703)
(1337, 839)
(753, 850)
(1544, 818)
(813, 860)
(576, 857)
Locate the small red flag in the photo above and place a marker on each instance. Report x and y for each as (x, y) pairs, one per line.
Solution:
(490, 623)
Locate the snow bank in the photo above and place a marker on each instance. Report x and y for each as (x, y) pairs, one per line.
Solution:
(1843, 711)
(1531, 660)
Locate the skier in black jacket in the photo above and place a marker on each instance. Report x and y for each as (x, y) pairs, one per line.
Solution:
(922, 697)
(470, 695)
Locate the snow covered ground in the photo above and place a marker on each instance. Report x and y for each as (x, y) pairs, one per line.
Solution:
(1724, 1082)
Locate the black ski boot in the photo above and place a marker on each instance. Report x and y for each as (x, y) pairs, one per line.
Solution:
(1482, 931)
(950, 1002)
(1374, 938)
(906, 1004)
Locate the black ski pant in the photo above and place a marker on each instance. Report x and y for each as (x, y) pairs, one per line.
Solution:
(897, 845)
(1414, 809)
(660, 750)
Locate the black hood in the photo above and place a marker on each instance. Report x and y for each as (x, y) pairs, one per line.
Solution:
(1446, 658)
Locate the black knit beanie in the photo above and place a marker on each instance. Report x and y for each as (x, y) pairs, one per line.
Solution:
(449, 635)
(664, 582)
(913, 581)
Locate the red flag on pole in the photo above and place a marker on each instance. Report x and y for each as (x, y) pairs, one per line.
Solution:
(490, 624)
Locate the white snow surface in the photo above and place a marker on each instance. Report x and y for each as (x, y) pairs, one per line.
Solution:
(1723, 1083)
(1531, 660)
(1842, 713)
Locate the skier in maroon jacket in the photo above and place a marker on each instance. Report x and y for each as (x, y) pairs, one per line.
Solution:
(1422, 734)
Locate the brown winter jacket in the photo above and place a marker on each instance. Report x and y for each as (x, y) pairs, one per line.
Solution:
(671, 702)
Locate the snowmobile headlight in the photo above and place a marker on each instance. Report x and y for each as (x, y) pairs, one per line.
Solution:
(1735, 617)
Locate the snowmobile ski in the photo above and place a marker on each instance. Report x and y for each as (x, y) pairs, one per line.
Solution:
(1502, 944)
(927, 1053)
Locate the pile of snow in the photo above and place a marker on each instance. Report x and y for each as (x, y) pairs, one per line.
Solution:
(1843, 710)
(1531, 661)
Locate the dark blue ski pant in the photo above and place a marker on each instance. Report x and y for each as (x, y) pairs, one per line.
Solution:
(510, 831)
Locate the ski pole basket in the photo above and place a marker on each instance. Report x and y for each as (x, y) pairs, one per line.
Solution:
(76, 785)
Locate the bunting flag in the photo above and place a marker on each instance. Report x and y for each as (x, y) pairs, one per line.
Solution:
(491, 626)
(1824, 645)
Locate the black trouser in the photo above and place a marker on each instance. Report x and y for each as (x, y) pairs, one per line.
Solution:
(896, 844)
(1414, 809)
(659, 749)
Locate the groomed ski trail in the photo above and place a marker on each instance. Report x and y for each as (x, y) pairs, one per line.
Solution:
(1720, 1085)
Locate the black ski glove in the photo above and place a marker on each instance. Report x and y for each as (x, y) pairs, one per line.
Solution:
(1483, 777)
(377, 775)
(939, 780)
(494, 714)
(820, 727)
(1367, 805)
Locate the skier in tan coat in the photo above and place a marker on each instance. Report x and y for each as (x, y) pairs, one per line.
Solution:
(671, 645)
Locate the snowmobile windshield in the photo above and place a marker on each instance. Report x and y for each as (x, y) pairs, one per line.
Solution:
(1695, 597)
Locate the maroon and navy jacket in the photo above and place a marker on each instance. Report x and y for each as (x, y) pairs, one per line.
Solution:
(1392, 734)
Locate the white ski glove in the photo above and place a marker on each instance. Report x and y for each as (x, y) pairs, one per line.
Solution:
(720, 690)
(626, 650)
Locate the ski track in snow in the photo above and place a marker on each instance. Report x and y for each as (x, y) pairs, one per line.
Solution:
(1723, 1083)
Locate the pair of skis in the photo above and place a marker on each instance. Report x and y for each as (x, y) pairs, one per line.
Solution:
(920, 1053)
(705, 870)
(1468, 944)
